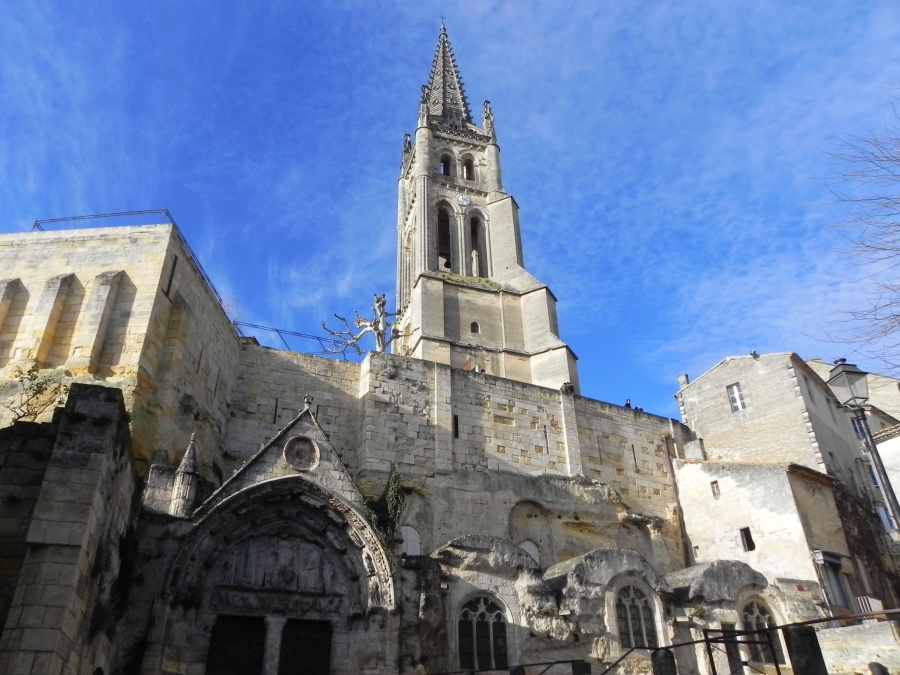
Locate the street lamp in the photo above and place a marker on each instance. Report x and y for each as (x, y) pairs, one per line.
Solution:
(851, 388)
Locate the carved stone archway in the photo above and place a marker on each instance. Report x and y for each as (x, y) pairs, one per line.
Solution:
(284, 549)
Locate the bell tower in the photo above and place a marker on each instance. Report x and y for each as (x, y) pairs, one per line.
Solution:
(464, 297)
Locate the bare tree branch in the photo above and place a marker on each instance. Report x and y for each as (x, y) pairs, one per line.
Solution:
(869, 188)
(348, 339)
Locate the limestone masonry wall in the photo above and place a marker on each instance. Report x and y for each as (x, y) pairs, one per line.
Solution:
(770, 428)
(125, 307)
(68, 595)
(269, 392)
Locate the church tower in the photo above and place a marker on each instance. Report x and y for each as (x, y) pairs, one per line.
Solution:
(464, 297)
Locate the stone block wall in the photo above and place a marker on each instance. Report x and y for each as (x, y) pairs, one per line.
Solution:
(68, 596)
(85, 295)
(188, 367)
(126, 307)
(720, 499)
(771, 428)
(269, 392)
(24, 454)
(851, 649)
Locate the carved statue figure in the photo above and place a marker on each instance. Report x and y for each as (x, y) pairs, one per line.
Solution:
(423, 105)
(476, 263)
(488, 119)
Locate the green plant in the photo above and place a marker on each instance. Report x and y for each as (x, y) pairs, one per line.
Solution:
(384, 513)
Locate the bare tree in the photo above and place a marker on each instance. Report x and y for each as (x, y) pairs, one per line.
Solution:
(349, 338)
(870, 189)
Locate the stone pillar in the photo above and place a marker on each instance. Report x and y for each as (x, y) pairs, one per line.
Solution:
(443, 419)
(803, 650)
(491, 174)
(45, 319)
(274, 628)
(663, 662)
(8, 288)
(426, 244)
(570, 429)
(87, 343)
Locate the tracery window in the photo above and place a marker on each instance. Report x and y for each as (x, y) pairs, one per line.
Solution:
(634, 614)
(482, 635)
(758, 617)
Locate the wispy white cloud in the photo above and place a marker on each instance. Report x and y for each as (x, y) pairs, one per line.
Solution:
(669, 158)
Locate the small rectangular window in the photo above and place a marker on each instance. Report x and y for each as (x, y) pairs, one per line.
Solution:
(747, 539)
(456, 426)
(831, 576)
(171, 275)
(736, 397)
(714, 486)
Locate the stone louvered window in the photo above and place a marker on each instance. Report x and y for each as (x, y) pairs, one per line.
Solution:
(634, 614)
(482, 635)
(445, 168)
(757, 617)
(468, 169)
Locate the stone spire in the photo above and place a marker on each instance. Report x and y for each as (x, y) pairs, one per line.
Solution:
(444, 94)
(184, 489)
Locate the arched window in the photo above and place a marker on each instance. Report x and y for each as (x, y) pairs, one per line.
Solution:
(758, 617)
(482, 635)
(412, 545)
(446, 165)
(469, 169)
(634, 614)
(531, 549)
(478, 250)
(475, 328)
(445, 261)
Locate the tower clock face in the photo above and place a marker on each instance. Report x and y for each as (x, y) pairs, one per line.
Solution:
(462, 200)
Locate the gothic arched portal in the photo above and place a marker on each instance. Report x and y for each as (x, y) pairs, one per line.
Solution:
(287, 553)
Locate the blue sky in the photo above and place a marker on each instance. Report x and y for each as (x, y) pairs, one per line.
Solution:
(670, 159)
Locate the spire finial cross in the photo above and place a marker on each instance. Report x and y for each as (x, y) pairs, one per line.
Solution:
(442, 20)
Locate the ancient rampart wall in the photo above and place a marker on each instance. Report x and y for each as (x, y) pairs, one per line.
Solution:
(125, 307)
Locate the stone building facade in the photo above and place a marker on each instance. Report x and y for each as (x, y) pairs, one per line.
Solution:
(179, 499)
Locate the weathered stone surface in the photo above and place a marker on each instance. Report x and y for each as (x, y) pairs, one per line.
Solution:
(715, 582)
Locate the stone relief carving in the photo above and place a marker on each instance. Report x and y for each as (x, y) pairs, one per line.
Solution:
(288, 565)
(270, 563)
(301, 453)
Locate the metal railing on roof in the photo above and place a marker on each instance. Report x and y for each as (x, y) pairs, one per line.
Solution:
(38, 226)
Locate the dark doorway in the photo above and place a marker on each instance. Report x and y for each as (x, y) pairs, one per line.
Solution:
(305, 648)
(236, 646)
